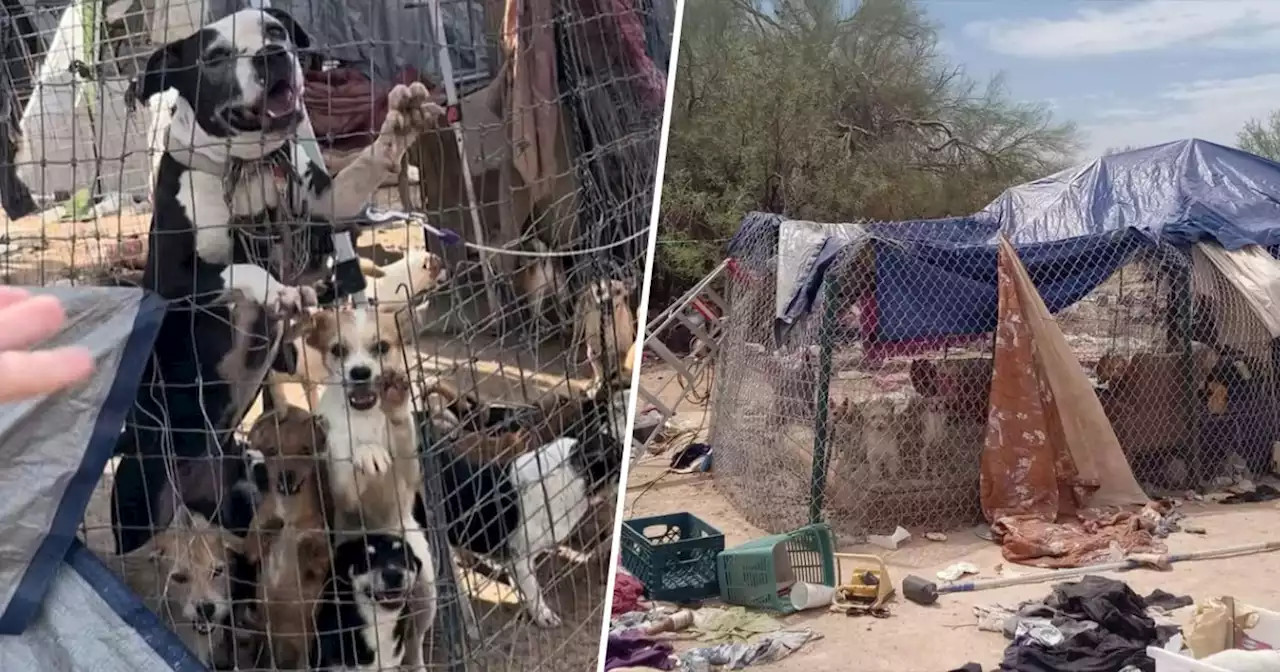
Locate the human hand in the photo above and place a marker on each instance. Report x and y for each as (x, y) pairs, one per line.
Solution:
(27, 320)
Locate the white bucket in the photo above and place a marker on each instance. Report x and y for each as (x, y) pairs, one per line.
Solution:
(811, 595)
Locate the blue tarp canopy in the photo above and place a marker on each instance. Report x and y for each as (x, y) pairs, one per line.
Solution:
(1072, 229)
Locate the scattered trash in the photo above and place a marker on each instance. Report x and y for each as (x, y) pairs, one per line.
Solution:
(958, 570)
(1161, 518)
(806, 596)
(633, 650)
(735, 623)
(935, 536)
(681, 620)
(1262, 493)
(1006, 572)
(693, 457)
(984, 532)
(992, 618)
(628, 592)
(892, 541)
(767, 649)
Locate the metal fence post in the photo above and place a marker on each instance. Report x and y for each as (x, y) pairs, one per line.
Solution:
(826, 344)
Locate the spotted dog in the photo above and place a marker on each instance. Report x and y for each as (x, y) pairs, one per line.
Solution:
(227, 252)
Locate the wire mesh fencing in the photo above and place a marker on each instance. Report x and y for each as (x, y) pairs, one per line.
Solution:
(449, 447)
(871, 409)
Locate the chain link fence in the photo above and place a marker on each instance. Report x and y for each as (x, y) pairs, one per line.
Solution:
(543, 255)
(860, 416)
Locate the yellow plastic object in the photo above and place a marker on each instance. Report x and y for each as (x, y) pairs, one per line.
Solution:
(868, 587)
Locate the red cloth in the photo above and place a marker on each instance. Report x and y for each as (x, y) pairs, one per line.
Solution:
(627, 591)
(347, 108)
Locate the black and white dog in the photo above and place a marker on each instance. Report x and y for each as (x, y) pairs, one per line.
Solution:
(515, 512)
(228, 252)
(363, 619)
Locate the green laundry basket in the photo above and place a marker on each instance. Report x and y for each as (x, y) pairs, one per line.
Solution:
(760, 573)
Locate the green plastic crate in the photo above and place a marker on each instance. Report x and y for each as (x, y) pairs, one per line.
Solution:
(673, 554)
(760, 573)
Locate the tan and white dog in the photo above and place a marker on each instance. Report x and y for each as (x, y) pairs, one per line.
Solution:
(395, 288)
(609, 338)
(372, 466)
(183, 575)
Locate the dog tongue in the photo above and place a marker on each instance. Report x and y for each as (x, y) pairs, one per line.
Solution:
(280, 104)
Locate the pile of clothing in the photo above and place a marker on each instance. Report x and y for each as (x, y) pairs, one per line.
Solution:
(1094, 625)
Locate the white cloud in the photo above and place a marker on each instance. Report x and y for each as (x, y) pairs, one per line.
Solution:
(1145, 25)
(1209, 109)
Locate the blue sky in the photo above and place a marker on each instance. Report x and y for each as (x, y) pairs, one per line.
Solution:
(1129, 72)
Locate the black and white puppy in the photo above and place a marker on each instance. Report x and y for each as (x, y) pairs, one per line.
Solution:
(513, 513)
(363, 618)
(226, 248)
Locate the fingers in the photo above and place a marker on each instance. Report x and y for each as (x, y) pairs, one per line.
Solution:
(27, 322)
(11, 295)
(31, 374)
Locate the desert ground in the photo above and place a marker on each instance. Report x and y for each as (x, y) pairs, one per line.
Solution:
(943, 636)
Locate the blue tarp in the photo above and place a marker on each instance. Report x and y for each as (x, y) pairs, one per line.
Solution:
(1072, 229)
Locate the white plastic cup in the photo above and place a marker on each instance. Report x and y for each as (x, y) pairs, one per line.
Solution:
(811, 595)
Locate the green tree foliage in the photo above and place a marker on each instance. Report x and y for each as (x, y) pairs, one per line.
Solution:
(1260, 136)
(800, 108)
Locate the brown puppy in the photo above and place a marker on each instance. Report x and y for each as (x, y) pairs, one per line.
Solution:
(290, 585)
(607, 338)
(182, 575)
(291, 441)
(287, 540)
(551, 418)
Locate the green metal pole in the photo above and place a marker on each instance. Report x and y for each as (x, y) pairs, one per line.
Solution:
(826, 344)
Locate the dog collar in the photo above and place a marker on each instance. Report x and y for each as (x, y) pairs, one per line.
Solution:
(278, 162)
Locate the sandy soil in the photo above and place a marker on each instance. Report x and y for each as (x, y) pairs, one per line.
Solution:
(944, 636)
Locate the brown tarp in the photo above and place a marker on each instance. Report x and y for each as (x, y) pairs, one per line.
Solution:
(1050, 451)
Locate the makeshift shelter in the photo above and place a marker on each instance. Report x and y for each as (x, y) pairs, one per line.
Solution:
(881, 340)
(60, 606)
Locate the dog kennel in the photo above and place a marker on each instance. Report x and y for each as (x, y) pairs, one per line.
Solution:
(854, 345)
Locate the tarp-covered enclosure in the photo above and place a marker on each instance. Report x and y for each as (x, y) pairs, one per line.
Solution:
(1154, 262)
(61, 606)
(65, 113)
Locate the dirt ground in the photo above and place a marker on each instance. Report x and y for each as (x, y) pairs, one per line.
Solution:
(40, 250)
(944, 636)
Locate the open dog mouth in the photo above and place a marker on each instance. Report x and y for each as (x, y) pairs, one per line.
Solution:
(277, 109)
(388, 596)
(203, 627)
(362, 396)
(279, 101)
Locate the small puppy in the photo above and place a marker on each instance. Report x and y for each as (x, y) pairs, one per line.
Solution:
(366, 613)
(476, 438)
(880, 439)
(607, 337)
(291, 442)
(371, 437)
(398, 284)
(181, 574)
(417, 273)
(542, 284)
(290, 586)
(927, 419)
(374, 475)
(515, 508)
(287, 542)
